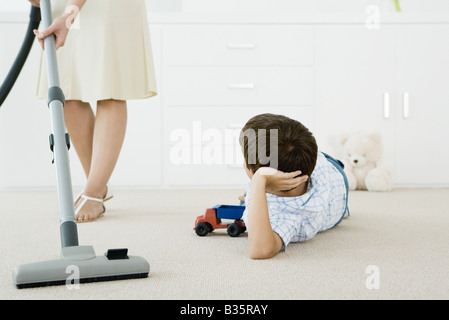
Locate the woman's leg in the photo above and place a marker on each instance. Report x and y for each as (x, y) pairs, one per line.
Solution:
(108, 136)
(80, 120)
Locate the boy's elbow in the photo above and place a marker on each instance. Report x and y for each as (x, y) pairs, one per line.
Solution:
(260, 256)
(262, 253)
(265, 249)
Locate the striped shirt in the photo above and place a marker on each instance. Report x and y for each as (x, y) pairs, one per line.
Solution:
(297, 219)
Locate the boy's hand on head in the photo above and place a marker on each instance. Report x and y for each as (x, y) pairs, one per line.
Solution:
(278, 180)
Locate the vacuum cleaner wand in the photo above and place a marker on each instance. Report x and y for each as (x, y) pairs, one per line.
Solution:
(59, 141)
(77, 263)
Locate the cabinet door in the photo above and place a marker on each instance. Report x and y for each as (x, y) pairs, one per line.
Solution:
(140, 161)
(201, 146)
(25, 156)
(354, 73)
(423, 117)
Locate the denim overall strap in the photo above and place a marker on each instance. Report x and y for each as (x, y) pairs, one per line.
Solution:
(340, 166)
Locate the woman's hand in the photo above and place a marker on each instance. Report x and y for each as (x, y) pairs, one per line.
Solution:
(58, 28)
(279, 181)
(36, 3)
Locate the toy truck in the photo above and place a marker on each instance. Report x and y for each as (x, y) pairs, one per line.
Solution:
(212, 220)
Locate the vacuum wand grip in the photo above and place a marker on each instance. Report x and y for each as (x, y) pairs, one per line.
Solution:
(49, 45)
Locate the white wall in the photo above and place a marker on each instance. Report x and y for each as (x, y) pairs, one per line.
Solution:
(309, 6)
(275, 6)
(14, 5)
(153, 5)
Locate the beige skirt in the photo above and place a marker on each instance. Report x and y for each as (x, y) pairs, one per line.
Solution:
(107, 55)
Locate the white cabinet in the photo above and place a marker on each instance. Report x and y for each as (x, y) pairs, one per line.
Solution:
(25, 156)
(238, 45)
(422, 126)
(355, 70)
(391, 81)
(201, 143)
(216, 77)
(140, 160)
(218, 86)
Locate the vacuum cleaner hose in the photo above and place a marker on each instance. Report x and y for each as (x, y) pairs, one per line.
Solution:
(35, 19)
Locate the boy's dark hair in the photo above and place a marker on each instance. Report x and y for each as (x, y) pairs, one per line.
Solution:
(296, 148)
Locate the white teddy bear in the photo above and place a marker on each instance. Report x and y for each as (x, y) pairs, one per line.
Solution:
(363, 163)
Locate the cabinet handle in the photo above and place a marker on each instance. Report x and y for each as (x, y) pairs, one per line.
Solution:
(241, 86)
(405, 105)
(386, 105)
(247, 46)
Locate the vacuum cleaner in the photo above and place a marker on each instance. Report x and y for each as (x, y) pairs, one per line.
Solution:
(77, 264)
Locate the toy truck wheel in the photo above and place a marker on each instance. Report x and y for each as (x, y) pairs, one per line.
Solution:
(209, 227)
(202, 229)
(234, 230)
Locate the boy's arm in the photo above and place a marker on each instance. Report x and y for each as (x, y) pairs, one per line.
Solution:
(262, 241)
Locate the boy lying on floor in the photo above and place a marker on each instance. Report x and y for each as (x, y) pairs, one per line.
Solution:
(295, 193)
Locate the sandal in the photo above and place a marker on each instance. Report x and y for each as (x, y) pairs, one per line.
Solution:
(107, 197)
(83, 202)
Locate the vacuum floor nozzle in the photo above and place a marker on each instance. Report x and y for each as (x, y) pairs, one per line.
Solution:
(79, 264)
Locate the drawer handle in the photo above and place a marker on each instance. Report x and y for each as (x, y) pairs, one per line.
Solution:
(247, 46)
(241, 86)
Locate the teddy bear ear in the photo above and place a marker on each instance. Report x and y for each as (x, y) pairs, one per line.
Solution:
(377, 137)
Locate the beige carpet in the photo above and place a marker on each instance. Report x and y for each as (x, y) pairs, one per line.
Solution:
(404, 234)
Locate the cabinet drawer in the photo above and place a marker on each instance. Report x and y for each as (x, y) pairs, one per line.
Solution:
(201, 144)
(205, 175)
(212, 86)
(139, 163)
(239, 45)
